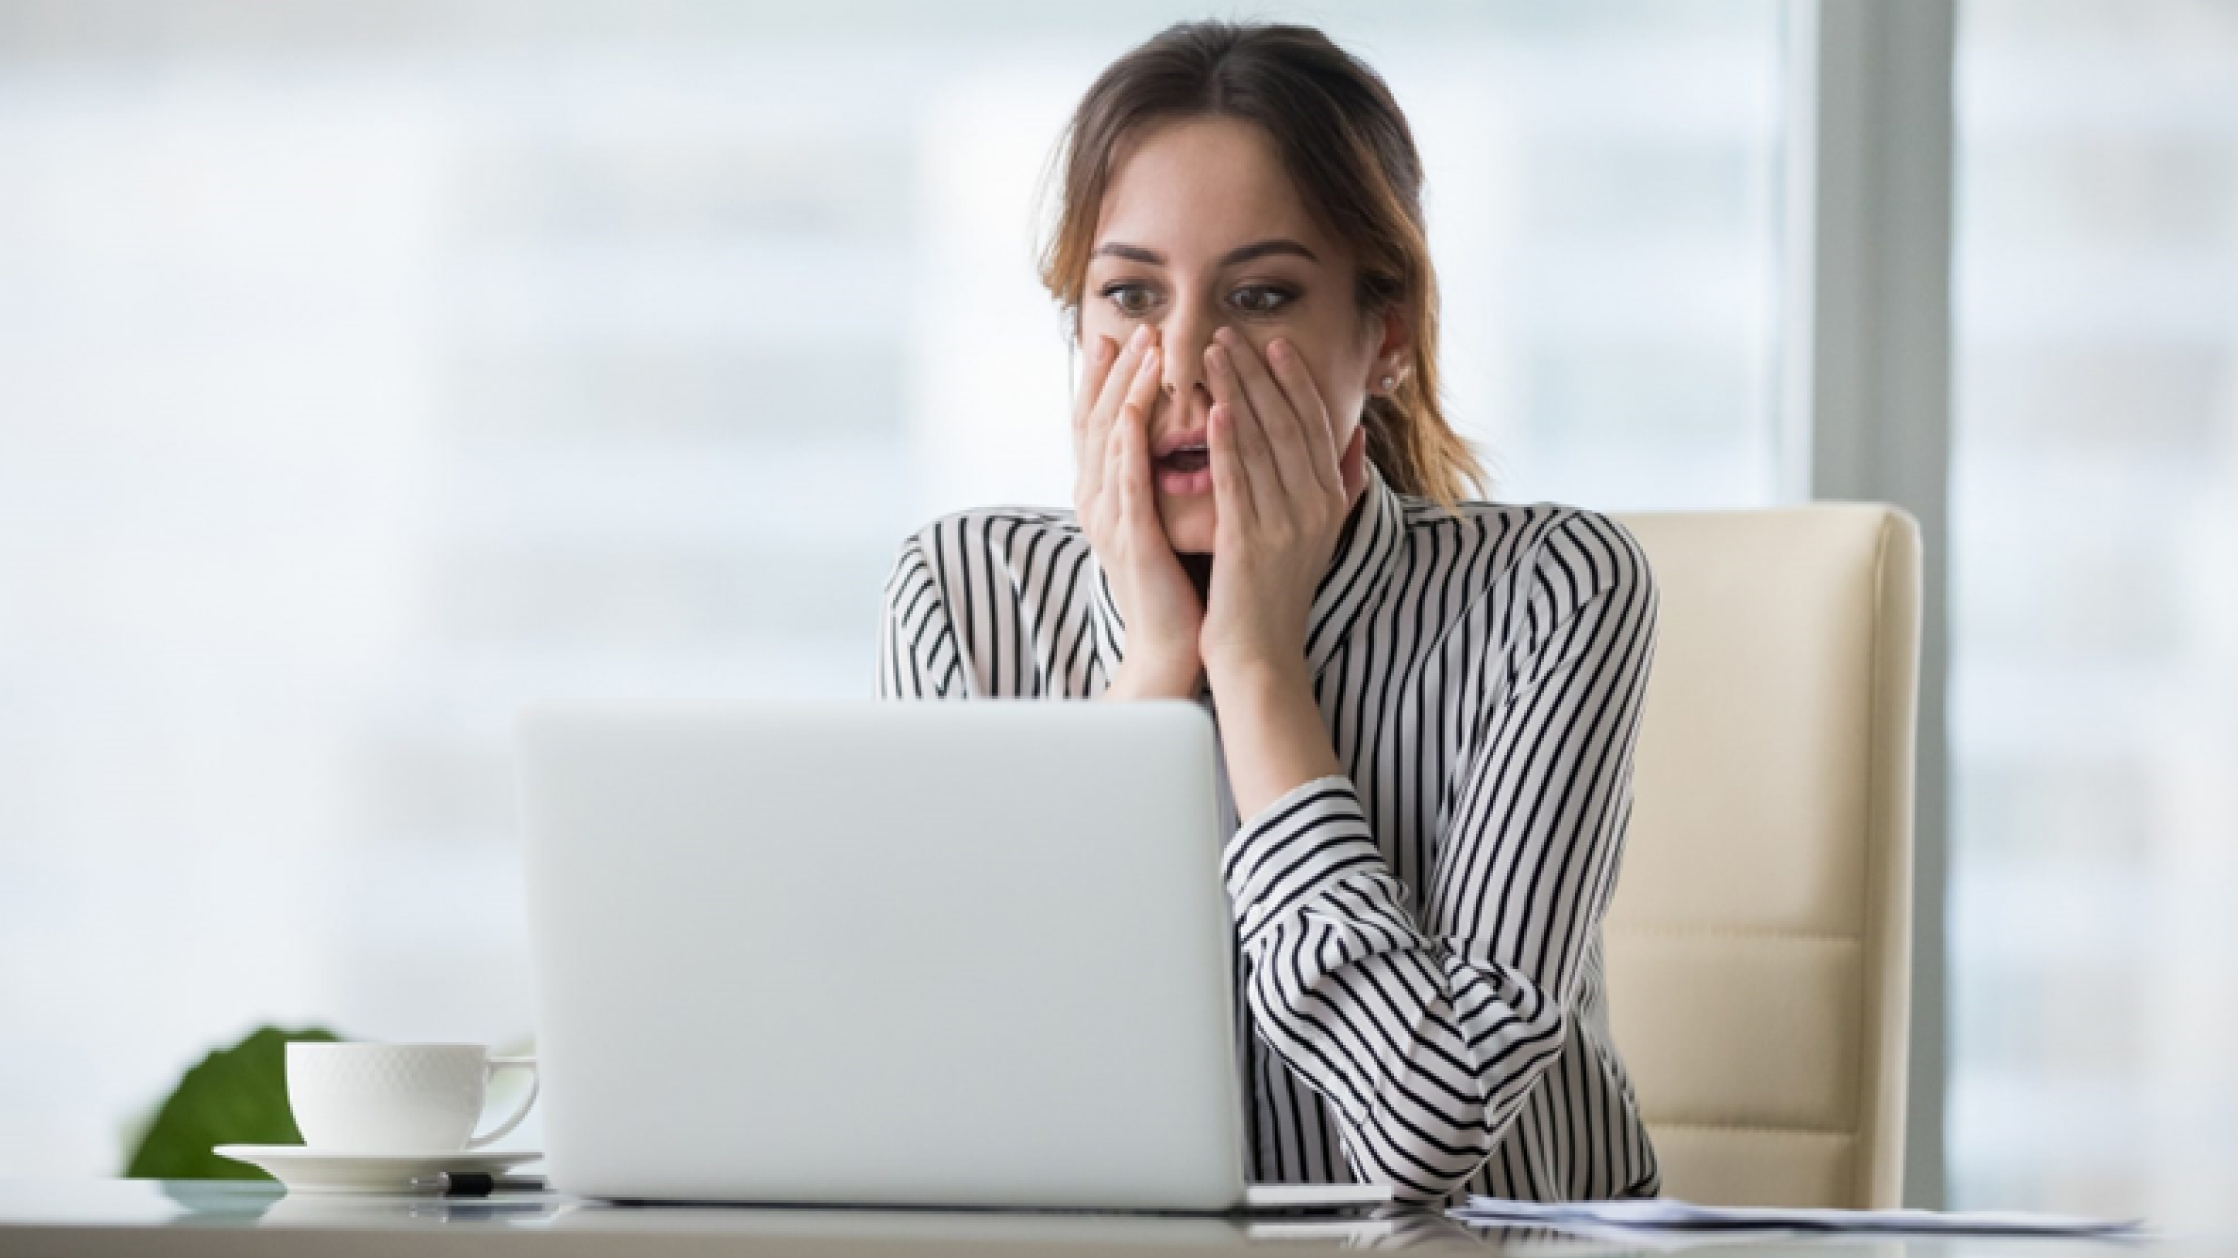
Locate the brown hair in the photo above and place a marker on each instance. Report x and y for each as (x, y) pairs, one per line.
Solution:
(1350, 154)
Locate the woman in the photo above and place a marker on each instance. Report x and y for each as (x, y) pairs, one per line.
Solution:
(1426, 706)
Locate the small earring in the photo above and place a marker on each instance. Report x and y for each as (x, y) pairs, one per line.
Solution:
(1388, 381)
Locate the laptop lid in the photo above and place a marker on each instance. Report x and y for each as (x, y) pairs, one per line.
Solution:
(875, 952)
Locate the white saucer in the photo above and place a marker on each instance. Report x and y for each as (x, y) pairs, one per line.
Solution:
(305, 1169)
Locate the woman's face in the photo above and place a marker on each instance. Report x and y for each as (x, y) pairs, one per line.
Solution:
(1199, 229)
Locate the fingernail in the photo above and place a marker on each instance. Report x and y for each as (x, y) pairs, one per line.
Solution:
(1140, 338)
(1217, 356)
(1278, 351)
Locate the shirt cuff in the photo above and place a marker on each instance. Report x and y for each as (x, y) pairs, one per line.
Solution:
(1290, 852)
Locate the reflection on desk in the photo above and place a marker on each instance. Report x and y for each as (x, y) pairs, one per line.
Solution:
(188, 1217)
(138, 1214)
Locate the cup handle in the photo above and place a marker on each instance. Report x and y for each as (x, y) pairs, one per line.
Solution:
(535, 1083)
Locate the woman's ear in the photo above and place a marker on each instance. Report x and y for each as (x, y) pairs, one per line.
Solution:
(1389, 350)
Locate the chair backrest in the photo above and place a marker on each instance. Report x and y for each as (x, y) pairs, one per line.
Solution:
(1759, 944)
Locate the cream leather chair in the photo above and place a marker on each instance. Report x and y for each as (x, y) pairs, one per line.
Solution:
(1759, 944)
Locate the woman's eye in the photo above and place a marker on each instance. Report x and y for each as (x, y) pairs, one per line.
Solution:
(1117, 295)
(1255, 300)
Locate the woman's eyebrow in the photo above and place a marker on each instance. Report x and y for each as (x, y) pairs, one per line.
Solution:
(1245, 253)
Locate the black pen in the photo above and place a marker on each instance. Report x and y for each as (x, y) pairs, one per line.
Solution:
(474, 1183)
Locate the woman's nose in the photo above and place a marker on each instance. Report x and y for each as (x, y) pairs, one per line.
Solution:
(1184, 342)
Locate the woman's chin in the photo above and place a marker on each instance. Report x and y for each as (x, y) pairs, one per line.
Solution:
(1188, 525)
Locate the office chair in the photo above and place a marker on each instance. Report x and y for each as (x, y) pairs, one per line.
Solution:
(1758, 947)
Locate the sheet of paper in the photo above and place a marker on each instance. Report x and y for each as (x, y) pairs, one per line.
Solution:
(1670, 1214)
(1626, 1237)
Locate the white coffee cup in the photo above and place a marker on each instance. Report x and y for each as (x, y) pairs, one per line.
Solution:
(397, 1098)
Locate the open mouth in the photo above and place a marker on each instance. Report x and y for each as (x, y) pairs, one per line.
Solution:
(1185, 470)
(1186, 459)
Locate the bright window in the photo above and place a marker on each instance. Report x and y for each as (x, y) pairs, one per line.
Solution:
(2094, 661)
(366, 371)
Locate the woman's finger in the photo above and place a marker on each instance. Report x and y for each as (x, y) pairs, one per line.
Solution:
(1111, 389)
(1142, 390)
(1111, 473)
(1254, 461)
(1100, 353)
(1278, 428)
(1132, 414)
(1233, 512)
(1314, 424)
(1138, 509)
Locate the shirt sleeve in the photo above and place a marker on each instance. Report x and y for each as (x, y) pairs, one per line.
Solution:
(917, 654)
(1426, 1036)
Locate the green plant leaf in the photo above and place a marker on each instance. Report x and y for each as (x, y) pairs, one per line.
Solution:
(235, 1095)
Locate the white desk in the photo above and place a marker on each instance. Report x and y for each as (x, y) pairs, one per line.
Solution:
(191, 1218)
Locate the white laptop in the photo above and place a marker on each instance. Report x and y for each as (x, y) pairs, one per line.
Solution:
(878, 953)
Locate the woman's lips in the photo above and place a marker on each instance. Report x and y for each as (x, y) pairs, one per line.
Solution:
(1197, 439)
(1185, 469)
(1171, 481)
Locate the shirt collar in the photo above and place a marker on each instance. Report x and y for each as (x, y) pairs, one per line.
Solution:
(1358, 567)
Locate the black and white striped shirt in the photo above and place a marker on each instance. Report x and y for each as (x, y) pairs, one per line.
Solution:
(1419, 943)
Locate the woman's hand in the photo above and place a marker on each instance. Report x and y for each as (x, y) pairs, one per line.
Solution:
(1118, 510)
(1281, 489)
